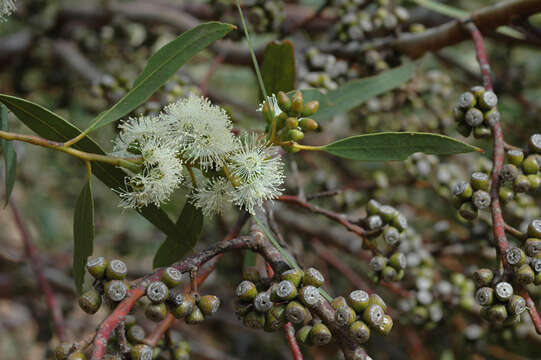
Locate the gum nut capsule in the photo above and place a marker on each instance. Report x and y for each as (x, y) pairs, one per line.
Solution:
(209, 304)
(479, 181)
(320, 334)
(398, 261)
(372, 207)
(358, 300)
(116, 290)
(468, 211)
(463, 129)
(483, 277)
(419, 315)
(373, 315)
(524, 274)
(96, 267)
(516, 305)
(313, 277)
(285, 290)
(521, 184)
(242, 308)
(509, 173)
(90, 302)
(391, 235)
(515, 156)
(492, 117)
(293, 275)
(463, 190)
(116, 270)
(310, 296)
(534, 228)
(359, 331)
(536, 265)
(374, 222)
(284, 102)
(477, 90)
(141, 352)
(246, 290)
(338, 302)
(482, 132)
(344, 315)
(505, 194)
(196, 316)
(185, 308)
(481, 199)
(503, 291)
(310, 108)
(78, 355)
(400, 222)
(535, 181)
(532, 246)
(488, 100)
(62, 350)
(157, 292)
(296, 313)
(466, 100)
(458, 114)
(535, 143)
(171, 277)
(497, 313)
(156, 312)
(515, 256)
(386, 326)
(377, 263)
(135, 333)
(271, 322)
(474, 117)
(254, 320)
(387, 213)
(484, 296)
(263, 302)
(389, 274)
(308, 124)
(303, 334)
(175, 298)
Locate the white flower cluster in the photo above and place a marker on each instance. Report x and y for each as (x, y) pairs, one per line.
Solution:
(6, 8)
(194, 132)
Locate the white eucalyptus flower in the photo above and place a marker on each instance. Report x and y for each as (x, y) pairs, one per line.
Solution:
(202, 130)
(214, 197)
(6, 8)
(136, 131)
(259, 170)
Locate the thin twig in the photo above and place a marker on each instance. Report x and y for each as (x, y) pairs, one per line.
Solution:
(534, 315)
(289, 330)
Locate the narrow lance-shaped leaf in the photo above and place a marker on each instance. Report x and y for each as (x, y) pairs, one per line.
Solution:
(10, 156)
(161, 66)
(188, 229)
(278, 70)
(387, 146)
(51, 126)
(83, 233)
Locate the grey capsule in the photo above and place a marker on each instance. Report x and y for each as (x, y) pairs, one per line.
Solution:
(310, 296)
(116, 290)
(377, 263)
(492, 117)
(374, 222)
(488, 100)
(509, 173)
(481, 199)
(515, 256)
(262, 302)
(474, 117)
(466, 100)
(175, 298)
(391, 235)
(285, 289)
(484, 296)
(536, 265)
(157, 291)
(504, 291)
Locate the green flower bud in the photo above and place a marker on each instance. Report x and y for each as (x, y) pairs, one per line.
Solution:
(196, 317)
(296, 313)
(458, 114)
(497, 313)
(295, 135)
(509, 173)
(246, 290)
(372, 207)
(391, 235)
(90, 302)
(488, 100)
(516, 305)
(468, 211)
(78, 355)
(506, 194)
(310, 108)
(481, 199)
(135, 333)
(263, 302)
(503, 291)
(313, 277)
(209, 304)
(62, 351)
(524, 274)
(484, 296)
(185, 308)
(534, 229)
(535, 181)
(479, 181)
(387, 213)
(157, 292)
(389, 274)
(385, 327)
(254, 320)
(466, 100)
(296, 104)
(463, 129)
(535, 143)
(515, 157)
(303, 334)
(358, 300)
(344, 315)
(284, 102)
(116, 290)
(171, 277)
(156, 312)
(521, 184)
(359, 331)
(515, 256)
(292, 122)
(320, 334)
(116, 270)
(373, 315)
(285, 290)
(308, 124)
(532, 246)
(474, 117)
(96, 267)
(141, 352)
(398, 261)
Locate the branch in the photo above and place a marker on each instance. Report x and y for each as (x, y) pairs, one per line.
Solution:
(534, 315)
(289, 330)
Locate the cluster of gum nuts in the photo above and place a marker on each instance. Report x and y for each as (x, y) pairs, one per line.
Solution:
(470, 197)
(527, 263)
(476, 110)
(290, 300)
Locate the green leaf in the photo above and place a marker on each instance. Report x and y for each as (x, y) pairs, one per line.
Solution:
(188, 230)
(387, 146)
(278, 69)
(161, 66)
(53, 127)
(354, 93)
(83, 233)
(10, 156)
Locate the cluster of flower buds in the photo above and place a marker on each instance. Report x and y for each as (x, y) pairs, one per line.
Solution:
(476, 110)
(292, 118)
(361, 313)
(499, 304)
(522, 172)
(470, 197)
(526, 261)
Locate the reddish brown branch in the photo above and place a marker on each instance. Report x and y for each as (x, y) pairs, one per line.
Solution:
(30, 250)
(289, 330)
(534, 315)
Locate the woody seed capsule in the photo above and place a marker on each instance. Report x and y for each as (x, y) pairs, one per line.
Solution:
(116, 290)
(534, 228)
(320, 334)
(503, 291)
(171, 277)
(246, 290)
(344, 315)
(358, 300)
(116, 270)
(377, 263)
(516, 305)
(474, 117)
(96, 267)
(285, 290)
(90, 301)
(296, 313)
(484, 296)
(262, 302)
(515, 256)
(313, 277)
(157, 292)
(373, 315)
(360, 332)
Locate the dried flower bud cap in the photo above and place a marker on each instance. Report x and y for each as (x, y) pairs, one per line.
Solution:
(116, 270)
(157, 292)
